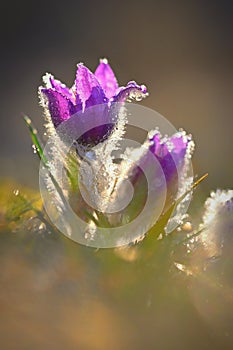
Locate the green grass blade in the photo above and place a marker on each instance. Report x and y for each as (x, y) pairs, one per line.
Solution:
(158, 228)
(35, 139)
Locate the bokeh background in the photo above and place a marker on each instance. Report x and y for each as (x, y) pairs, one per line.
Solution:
(182, 50)
(55, 294)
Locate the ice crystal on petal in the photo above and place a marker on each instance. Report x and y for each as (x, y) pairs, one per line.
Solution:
(89, 89)
(173, 155)
(95, 107)
(182, 153)
(217, 222)
(99, 176)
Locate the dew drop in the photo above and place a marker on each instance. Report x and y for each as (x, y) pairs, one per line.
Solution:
(187, 226)
(34, 149)
(42, 226)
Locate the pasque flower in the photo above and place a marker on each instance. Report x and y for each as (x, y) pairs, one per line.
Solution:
(89, 89)
(156, 174)
(217, 223)
(171, 153)
(172, 171)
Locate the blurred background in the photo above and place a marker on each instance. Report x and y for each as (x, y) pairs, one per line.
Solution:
(182, 50)
(55, 294)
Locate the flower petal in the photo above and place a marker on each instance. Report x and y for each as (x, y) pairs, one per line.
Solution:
(59, 106)
(170, 153)
(160, 150)
(52, 83)
(132, 91)
(180, 143)
(60, 87)
(88, 89)
(106, 78)
(98, 123)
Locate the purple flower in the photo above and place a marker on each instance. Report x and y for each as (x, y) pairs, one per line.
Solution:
(166, 162)
(100, 88)
(172, 154)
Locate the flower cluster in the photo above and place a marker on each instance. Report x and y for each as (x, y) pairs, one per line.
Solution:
(166, 160)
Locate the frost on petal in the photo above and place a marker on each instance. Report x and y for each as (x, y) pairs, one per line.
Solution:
(160, 149)
(172, 156)
(217, 223)
(181, 148)
(51, 83)
(140, 168)
(157, 154)
(60, 107)
(106, 78)
(61, 88)
(179, 145)
(88, 88)
(171, 151)
(97, 174)
(132, 91)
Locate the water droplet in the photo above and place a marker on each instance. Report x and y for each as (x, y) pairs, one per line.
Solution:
(34, 149)
(187, 226)
(42, 226)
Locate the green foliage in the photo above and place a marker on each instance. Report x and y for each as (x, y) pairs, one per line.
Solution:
(19, 206)
(35, 139)
(22, 206)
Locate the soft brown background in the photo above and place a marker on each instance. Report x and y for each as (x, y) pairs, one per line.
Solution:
(55, 294)
(182, 50)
